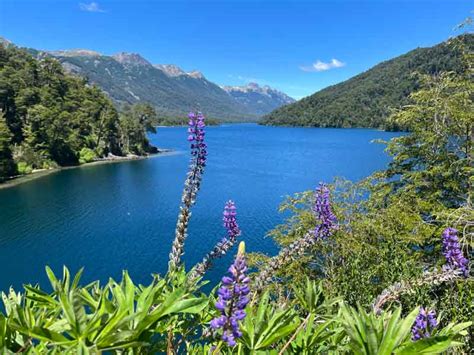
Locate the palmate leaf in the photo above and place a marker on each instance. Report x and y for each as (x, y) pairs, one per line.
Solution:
(178, 301)
(311, 340)
(376, 334)
(432, 345)
(404, 328)
(455, 329)
(354, 328)
(397, 332)
(46, 335)
(266, 325)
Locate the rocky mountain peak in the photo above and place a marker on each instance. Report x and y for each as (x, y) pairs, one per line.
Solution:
(131, 59)
(196, 74)
(170, 69)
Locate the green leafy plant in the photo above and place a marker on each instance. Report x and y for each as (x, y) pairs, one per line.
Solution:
(389, 333)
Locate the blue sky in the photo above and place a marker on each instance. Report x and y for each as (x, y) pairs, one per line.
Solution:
(298, 47)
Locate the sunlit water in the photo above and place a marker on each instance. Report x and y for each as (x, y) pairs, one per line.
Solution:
(122, 216)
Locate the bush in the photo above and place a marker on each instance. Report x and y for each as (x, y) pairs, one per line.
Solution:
(24, 169)
(87, 155)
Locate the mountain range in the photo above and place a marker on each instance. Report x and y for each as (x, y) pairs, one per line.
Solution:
(366, 100)
(130, 78)
(258, 99)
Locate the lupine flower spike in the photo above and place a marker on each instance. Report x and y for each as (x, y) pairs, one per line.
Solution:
(327, 224)
(232, 299)
(323, 213)
(456, 266)
(221, 248)
(191, 186)
(452, 252)
(425, 322)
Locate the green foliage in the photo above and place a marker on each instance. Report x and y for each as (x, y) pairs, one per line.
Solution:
(436, 160)
(264, 325)
(52, 117)
(7, 166)
(23, 168)
(390, 334)
(169, 315)
(93, 318)
(86, 155)
(366, 100)
(390, 224)
(135, 122)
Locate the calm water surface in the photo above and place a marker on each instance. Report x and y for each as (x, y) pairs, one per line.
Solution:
(122, 216)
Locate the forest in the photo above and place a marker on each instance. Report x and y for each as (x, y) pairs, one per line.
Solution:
(49, 119)
(368, 99)
(380, 266)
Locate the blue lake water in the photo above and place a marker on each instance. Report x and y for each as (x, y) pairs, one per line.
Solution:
(122, 216)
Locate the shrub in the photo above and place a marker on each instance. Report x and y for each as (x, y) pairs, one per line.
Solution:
(23, 168)
(87, 155)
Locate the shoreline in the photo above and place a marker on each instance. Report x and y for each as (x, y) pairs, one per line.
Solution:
(22, 179)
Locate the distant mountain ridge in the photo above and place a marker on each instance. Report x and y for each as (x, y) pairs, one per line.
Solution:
(259, 99)
(366, 99)
(130, 78)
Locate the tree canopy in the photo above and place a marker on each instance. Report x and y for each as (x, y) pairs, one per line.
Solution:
(52, 119)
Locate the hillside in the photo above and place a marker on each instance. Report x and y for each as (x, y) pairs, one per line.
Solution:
(258, 99)
(49, 118)
(366, 99)
(129, 78)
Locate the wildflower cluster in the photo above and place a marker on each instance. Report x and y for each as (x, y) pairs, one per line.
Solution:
(232, 299)
(425, 322)
(323, 212)
(192, 184)
(221, 248)
(453, 253)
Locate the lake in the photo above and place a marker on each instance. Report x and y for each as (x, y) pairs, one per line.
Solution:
(122, 216)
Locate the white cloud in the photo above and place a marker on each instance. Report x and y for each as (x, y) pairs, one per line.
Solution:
(323, 66)
(91, 7)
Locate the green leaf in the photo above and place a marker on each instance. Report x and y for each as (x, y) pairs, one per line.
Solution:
(433, 345)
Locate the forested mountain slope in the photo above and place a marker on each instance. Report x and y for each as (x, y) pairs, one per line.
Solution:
(366, 99)
(128, 78)
(49, 118)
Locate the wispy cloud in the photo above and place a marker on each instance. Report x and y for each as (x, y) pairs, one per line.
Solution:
(323, 66)
(91, 7)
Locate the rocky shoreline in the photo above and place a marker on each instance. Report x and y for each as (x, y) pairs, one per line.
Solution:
(111, 159)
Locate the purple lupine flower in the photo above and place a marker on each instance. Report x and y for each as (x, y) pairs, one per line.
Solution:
(323, 211)
(222, 247)
(424, 324)
(327, 224)
(452, 252)
(232, 299)
(230, 221)
(196, 137)
(192, 184)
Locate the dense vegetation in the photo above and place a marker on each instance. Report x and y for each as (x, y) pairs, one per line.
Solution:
(376, 267)
(366, 100)
(49, 118)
